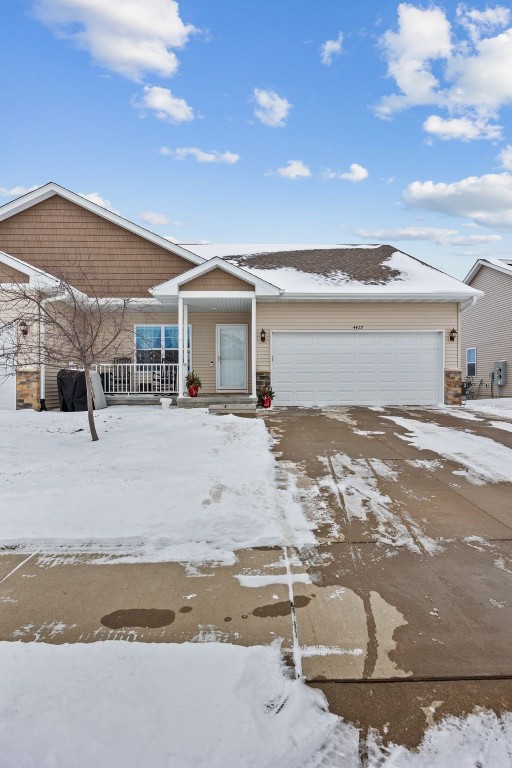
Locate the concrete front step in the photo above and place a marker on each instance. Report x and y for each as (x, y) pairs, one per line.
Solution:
(205, 401)
(240, 409)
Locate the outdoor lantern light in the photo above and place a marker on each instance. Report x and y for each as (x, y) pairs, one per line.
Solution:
(453, 334)
(263, 335)
(23, 328)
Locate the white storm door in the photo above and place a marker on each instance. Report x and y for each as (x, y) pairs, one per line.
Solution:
(231, 357)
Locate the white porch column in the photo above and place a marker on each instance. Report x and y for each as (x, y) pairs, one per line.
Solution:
(185, 343)
(180, 346)
(253, 346)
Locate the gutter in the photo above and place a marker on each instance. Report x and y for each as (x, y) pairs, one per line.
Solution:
(468, 303)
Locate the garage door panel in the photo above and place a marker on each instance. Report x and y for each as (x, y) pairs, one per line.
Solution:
(335, 368)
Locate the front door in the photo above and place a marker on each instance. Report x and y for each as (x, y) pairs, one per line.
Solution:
(232, 357)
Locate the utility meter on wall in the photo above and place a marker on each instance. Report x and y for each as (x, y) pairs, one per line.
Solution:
(500, 373)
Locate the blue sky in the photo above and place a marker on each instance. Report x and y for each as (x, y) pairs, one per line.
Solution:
(318, 122)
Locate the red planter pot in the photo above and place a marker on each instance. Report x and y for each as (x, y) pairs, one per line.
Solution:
(267, 402)
(192, 391)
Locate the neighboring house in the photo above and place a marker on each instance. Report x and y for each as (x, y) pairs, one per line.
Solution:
(324, 325)
(486, 332)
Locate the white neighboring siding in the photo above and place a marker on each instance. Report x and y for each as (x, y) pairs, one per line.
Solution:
(357, 368)
(373, 316)
(7, 379)
(488, 327)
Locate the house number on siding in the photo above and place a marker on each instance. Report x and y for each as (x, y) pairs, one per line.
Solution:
(358, 327)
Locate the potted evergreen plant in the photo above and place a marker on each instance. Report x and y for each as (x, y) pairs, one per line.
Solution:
(265, 395)
(193, 383)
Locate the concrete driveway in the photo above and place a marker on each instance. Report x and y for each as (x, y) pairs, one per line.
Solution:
(402, 613)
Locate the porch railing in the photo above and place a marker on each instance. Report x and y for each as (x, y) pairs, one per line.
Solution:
(138, 378)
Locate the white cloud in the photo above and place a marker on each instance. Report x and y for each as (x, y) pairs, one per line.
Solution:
(164, 105)
(355, 174)
(471, 79)
(156, 219)
(294, 169)
(486, 200)
(213, 156)
(95, 197)
(438, 235)
(130, 38)
(423, 36)
(271, 109)
(505, 157)
(463, 128)
(330, 49)
(478, 23)
(16, 191)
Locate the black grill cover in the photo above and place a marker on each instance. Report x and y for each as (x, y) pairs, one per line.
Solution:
(72, 390)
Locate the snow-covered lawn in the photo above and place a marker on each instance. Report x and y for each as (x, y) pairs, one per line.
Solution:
(127, 704)
(485, 460)
(211, 705)
(501, 406)
(159, 484)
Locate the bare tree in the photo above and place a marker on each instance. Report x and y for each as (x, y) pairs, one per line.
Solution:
(51, 323)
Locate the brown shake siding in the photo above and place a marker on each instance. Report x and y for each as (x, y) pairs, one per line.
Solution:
(217, 280)
(65, 239)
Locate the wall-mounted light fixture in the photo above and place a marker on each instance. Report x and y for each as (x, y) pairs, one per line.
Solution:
(263, 335)
(23, 328)
(453, 334)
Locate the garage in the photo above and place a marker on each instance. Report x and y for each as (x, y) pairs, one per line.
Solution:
(357, 367)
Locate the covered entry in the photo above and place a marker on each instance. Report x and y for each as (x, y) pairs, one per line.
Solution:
(357, 367)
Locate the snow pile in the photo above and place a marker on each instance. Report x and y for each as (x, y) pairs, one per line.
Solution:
(485, 460)
(161, 485)
(209, 705)
(137, 704)
(481, 739)
(492, 407)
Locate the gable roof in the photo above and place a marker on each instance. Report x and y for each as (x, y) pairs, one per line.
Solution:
(171, 287)
(48, 190)
(365, 272)
(500, 265)
(38, 278)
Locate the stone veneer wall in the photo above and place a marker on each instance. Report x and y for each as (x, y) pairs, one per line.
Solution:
(27, 389)
(262, 379)
(453, 387)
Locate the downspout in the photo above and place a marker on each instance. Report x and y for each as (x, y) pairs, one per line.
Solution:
(42, 364)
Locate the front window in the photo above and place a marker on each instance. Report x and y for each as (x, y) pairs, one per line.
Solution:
(158, 344)
(471, 361)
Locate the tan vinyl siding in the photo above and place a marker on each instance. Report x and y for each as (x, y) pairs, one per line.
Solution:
(204, 343)
(11, 275)
(52, 393)
(488, 327)
(217, 280)
(63, 238)
(204, 353)
(373, 316)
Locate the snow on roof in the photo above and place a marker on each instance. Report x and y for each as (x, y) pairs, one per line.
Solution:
(337, 269)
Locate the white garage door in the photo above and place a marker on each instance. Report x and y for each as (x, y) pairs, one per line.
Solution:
(7, 379)
(356, 368)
